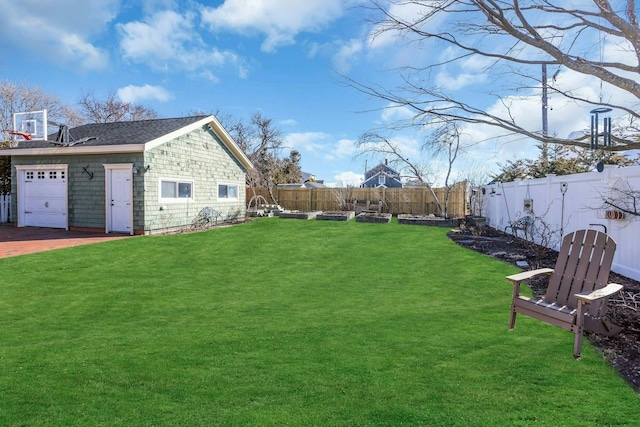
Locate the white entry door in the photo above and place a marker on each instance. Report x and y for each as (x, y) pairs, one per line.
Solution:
(42, 196)
(119, 200)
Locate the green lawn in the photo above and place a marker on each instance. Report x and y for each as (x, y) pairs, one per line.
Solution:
(287, 322)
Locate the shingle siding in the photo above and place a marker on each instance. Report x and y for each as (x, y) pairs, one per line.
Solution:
(199, 157)
(86, 194)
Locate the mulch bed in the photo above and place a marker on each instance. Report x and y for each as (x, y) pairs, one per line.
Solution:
(622, 350)
(429, 220)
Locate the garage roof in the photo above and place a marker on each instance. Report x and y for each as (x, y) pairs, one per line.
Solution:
(122, 137)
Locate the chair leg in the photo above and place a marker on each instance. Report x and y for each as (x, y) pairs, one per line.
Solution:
(512, 320)
(577, 343)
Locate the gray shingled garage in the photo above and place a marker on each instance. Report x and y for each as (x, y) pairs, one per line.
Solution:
(129, 177)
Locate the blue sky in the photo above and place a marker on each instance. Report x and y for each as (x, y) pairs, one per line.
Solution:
(279, 57)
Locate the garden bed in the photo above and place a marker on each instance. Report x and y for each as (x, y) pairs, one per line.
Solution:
(336, 216)
(299, 215)
(373, 217)
(428, 220)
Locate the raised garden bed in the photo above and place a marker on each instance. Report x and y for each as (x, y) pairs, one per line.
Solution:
(336, 216)
(299, 215)
(259, 213)
(428, 220)
(264, 210)
(373, 217)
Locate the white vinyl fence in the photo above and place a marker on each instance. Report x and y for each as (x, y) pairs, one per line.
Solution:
(562, 204)
(5, 208)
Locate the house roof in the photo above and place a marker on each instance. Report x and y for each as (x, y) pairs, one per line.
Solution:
(123, 137)
(381, 168)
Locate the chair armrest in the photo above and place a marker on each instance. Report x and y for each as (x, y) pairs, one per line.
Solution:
(519, 277)
(608, 290)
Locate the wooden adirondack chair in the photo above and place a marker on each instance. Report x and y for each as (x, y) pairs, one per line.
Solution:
(577, 295)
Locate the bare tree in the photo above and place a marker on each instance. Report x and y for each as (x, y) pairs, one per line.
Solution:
(446, 141)
(516, 38)
(263, 144)
(476, 177)
(111, 109)
(622, 197)
(378, 145)
(343, 195)
(20, 97)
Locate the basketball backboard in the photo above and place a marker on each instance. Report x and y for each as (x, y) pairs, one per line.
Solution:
(33, 123)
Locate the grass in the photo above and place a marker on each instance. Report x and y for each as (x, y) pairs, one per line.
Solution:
(286, 322)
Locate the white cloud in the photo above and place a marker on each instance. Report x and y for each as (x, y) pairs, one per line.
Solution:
(459, 74)
(208, 75)
(288, 122)
(346, 178)
(168, 40)
(346, 54)
(393, 113)
(309, 142)
(408, 146)
(321, 147)
(381, 37)
(345, 148)
(448, 82)
(280, 21)
(60, 30)
(136, 94)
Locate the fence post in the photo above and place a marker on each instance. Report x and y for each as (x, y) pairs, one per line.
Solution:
(5, 207)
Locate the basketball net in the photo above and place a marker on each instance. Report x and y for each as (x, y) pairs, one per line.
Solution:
(13, 141)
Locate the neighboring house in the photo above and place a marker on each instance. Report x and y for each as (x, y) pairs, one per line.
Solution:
(308, 181)
(134, 177)
(381, 176)
(314, 184)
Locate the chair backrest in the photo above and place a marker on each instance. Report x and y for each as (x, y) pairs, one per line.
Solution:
(583, 265)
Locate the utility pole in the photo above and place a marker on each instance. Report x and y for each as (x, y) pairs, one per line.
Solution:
(545, 125)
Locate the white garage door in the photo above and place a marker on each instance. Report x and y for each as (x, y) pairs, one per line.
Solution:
(44, 198)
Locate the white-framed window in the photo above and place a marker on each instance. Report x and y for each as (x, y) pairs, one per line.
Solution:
(382, 179)
(227, 191)
(175, 190)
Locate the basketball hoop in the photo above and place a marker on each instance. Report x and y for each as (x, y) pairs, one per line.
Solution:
(33, 126)
(24, 135)
(13, 141)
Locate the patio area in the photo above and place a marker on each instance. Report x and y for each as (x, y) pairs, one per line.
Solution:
(16, 241)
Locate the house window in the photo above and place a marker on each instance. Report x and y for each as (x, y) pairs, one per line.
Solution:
(176, 190)
(382, 180)
(226, 191)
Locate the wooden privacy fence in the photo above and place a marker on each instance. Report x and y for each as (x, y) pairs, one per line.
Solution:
(409, 200)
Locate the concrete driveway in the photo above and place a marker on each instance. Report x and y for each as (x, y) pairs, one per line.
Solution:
(16, 241)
